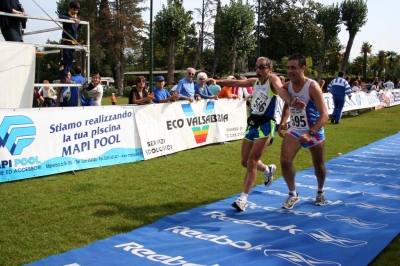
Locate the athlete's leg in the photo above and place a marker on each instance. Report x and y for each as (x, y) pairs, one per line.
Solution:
(254, 151)
(290, 147)
(318, 153)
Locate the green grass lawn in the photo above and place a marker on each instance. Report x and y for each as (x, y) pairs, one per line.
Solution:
(44, 216)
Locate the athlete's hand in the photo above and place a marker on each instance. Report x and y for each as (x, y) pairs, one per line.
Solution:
(212, 81)
(296, 103)
(281, 129)
(305, 138)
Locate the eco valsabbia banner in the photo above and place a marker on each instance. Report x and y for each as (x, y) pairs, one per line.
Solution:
(173, 127)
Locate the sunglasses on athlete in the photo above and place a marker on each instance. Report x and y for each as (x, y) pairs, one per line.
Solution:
(261, 67)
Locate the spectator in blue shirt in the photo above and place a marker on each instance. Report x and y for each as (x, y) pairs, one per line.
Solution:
(339, 88)
(161, 95)
(185, 87)
(202, 89)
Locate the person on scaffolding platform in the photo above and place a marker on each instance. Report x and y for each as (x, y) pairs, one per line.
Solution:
(69, 37)
(11, 27)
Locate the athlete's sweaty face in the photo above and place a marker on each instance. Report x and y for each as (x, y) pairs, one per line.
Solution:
(295, 72)
(262, 69)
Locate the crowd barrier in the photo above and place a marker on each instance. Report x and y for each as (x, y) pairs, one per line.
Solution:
(44, 141)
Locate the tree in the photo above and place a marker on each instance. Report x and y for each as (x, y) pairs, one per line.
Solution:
(366, 49)
(218, 39)
(47, 66)
(171, 24)
(354, 16)
(381, 61)
(335, 56)
(329, 19)
(237, 21)
(391, 55)
(289, 26)
(115, 26)
(206, 15)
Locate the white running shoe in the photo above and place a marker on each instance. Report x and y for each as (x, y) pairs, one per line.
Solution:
(239, 205)
(320, 199)
(269, 176)
(291, 201)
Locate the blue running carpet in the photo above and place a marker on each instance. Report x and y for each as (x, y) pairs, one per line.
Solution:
(360, 219)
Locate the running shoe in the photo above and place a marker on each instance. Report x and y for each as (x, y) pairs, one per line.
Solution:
(291, 201)
(239, 205)
(320, 199)
(269, 177)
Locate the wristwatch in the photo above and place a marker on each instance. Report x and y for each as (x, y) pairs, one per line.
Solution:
(312, 133)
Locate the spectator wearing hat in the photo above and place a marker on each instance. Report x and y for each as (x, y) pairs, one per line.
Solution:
(185, 87)
(161, 95)
(226, 92)
(202, 89)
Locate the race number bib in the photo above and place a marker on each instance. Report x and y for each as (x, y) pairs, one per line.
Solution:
(260, 103)
(298, 119)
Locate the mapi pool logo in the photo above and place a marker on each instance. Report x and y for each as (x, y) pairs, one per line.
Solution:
(16, 133)
(201, 125)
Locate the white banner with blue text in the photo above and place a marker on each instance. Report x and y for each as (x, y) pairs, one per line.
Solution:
(172, 127)
(37, 142)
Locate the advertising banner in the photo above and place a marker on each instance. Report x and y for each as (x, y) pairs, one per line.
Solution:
(172, 127)
(36, 142)
(359, 100)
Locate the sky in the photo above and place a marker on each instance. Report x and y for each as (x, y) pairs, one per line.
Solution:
(380, 29)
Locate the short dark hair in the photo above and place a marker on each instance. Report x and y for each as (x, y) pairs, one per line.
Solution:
(300, 58)
(78, 70)
(74, 4)
(341, 74)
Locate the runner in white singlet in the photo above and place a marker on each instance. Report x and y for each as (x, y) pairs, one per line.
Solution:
(305, 129)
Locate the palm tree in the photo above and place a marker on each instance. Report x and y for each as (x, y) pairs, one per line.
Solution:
(391, 55)
(381, 61)
(366, 49)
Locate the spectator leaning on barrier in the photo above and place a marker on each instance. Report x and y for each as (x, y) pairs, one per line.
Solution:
(226, 91)
(214, 88)
(138, 95)
(339, 88)
(201, 87)
(185, 87)
(241, 92)
(376, 86)
(356, 87)
(161, 95)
